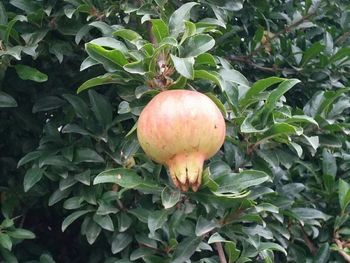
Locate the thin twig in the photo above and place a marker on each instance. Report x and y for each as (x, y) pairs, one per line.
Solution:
(246, 60)
(115, 188)
(221, 252)
(342, 38)
(345, 255)
(308, 242)
(283, 31)
(151, 37)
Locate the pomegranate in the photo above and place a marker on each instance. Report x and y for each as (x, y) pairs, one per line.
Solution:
(181, 129)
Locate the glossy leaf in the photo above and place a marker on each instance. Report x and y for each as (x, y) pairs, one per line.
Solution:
(31, 177)
(176, 20)
(7, 100)
(29, 73)
(184, 66)
(72, 217)
(197, 45)
(160, 30)
(185, 249)
(101, 80)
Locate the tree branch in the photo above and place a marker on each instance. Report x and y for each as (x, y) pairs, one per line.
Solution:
(340, 245)
(308, 242)
(345, 255)
(283, 31)
(342, 38)
(221, 252)
(247, 59)
(151, 37)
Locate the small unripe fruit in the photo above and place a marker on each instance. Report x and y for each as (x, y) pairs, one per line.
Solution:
(181, 129)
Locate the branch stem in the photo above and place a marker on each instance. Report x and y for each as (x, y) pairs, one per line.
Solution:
(221, 252)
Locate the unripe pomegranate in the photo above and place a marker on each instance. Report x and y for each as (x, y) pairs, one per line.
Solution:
(181, 129)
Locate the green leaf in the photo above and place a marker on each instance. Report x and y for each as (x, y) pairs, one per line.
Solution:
(126, 178)
(140, 253)
(216, 237)
(3, 15)
(54, 160)
(127, 34)
(101, 108)
(156, 220)
(209, 75)
(184, 66)
(6, 223)
(180, 83)
(120, 242)
(78, 104)
(20, 233)
(87, 63)
(87, 155)
(58, 195)
(277, 93)
(73, 203)
(344, 194)
(83, 177)
(47, 103)
(7, 101)
(112, 60)
(312, 52)
(8, 256)
(5, 241)
(137, 67)
(29, 73)
(160, 29)
(28, 6)
(198, 44)
(323, 254)
(93, 230)
(218, 103)
(109, 78)
(124, 222)
(46, 258)
(301, 118)
(170, 197)
(342, 53)
(190, 30)
(177, 19)
(235, 183)
(329, 98)
(259, 33)
(72, 217)
(204, 226)
(31, 177)
(104, 221)
(281, 128)
(234, 76)
(232, 252)
(304, 213)
(73, 128)
(110, 43)
(259, 87)
(329, 164)
(10, 25)
(205, 59)
(185, 249)
(29, 157)
(271, 246)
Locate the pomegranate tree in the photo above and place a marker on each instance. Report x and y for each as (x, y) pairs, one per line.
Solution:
(181, 129)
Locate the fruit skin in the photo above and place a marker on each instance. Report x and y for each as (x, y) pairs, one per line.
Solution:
(181, 129)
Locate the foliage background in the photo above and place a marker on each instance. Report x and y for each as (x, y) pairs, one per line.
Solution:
(288, 145)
